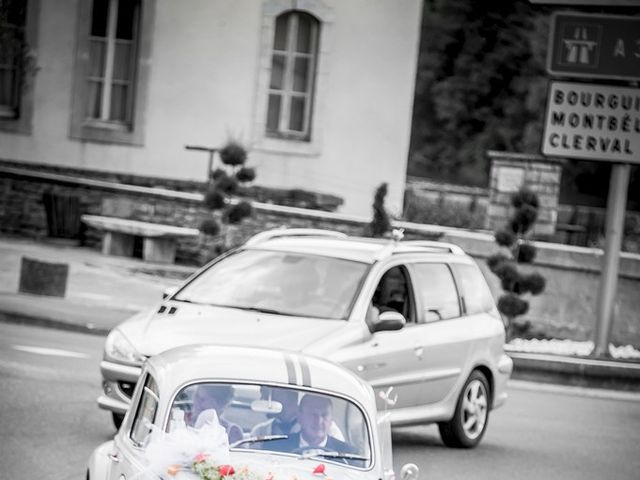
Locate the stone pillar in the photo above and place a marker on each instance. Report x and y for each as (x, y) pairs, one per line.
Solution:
(509, 172)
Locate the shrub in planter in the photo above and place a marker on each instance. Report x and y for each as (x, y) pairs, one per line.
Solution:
(225, 183)
(514, 240)
(380, 225)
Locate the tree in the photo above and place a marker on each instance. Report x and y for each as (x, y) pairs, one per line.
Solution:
(222, 187)
(380, 225)
(516, 249)
(479, 86)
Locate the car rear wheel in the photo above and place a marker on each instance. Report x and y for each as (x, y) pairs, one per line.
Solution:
(117, 419)
(466, 428)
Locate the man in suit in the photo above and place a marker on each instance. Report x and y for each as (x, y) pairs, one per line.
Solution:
(315, 416)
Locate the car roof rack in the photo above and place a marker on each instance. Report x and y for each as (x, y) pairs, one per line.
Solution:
(292, 232)
(436, 245)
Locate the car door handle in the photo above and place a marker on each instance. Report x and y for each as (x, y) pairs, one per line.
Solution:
(419, 351)
(114, 457)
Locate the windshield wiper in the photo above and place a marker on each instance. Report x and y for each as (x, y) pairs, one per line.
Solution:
(325, 454)
(263, 438)
(185, 300)
(258, 309)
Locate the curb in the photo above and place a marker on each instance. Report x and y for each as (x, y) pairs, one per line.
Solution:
(40, 321)
(576, 371)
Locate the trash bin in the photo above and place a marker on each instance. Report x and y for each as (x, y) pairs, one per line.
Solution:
(63, 214)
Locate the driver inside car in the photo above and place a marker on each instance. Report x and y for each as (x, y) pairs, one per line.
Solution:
(315, 416)
(286, 421)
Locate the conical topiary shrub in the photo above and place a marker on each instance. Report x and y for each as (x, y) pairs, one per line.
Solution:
(517, 249)
(224, 184)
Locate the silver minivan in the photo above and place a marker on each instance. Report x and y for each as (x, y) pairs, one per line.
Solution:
(416, 319)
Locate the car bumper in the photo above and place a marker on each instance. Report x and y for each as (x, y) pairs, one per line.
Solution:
(118, 382)
(505, 368)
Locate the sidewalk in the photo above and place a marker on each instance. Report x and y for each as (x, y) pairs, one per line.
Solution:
(101, 291)
(104, 290)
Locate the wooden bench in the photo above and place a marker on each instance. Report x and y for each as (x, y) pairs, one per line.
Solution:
(159, 241)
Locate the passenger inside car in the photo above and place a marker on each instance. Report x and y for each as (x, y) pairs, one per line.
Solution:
(216, 397)
(392, 293)
(282, 423)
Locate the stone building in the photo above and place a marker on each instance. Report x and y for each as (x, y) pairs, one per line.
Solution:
(320, 91)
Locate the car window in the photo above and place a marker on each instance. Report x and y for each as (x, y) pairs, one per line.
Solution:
(296, 419)
(279, 282)
(393, 293)
(475, 292)
(436, 290)
(145, 413)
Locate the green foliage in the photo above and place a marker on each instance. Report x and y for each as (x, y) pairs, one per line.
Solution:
(525, 197)
(505, 238)
(380, 224)
(210, 226)
(233, 154)
(214, 199)
(246, 174)
(224, 184)
(526, 253)
(481, 85)
(236, 213)
(512, 305)
(533, 284)
(514, 283)
(218, 173)
(495, 260)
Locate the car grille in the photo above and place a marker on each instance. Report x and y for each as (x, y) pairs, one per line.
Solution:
(126, 388)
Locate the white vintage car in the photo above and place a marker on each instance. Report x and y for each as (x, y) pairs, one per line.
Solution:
(244, 413)
(417, 316)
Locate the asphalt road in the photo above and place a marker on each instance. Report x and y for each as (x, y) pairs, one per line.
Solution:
(49, 422)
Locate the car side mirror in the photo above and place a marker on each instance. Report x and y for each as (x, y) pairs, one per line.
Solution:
(168, 292)
(388, 321)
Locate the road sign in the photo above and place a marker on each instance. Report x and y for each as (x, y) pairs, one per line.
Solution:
(592, 122)
(594, 46)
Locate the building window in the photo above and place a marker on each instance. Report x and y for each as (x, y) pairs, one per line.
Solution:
(293, 69)
(112, 53)
(12, 41)
(110, 70)
(17, 63)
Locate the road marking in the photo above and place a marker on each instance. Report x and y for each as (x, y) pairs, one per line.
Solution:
(54, 352)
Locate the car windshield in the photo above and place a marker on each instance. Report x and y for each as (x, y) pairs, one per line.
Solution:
(284, 420)
(279, 282)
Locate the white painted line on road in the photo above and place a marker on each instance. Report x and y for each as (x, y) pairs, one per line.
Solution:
(92, 296)
(572, 390)
(54, 352)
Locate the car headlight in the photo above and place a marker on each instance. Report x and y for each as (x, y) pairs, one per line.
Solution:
(118, 347)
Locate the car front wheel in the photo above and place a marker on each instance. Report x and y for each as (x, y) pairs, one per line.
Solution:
(469, 422)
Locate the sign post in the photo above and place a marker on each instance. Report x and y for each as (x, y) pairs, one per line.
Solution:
(597, 122)
(616, 203)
